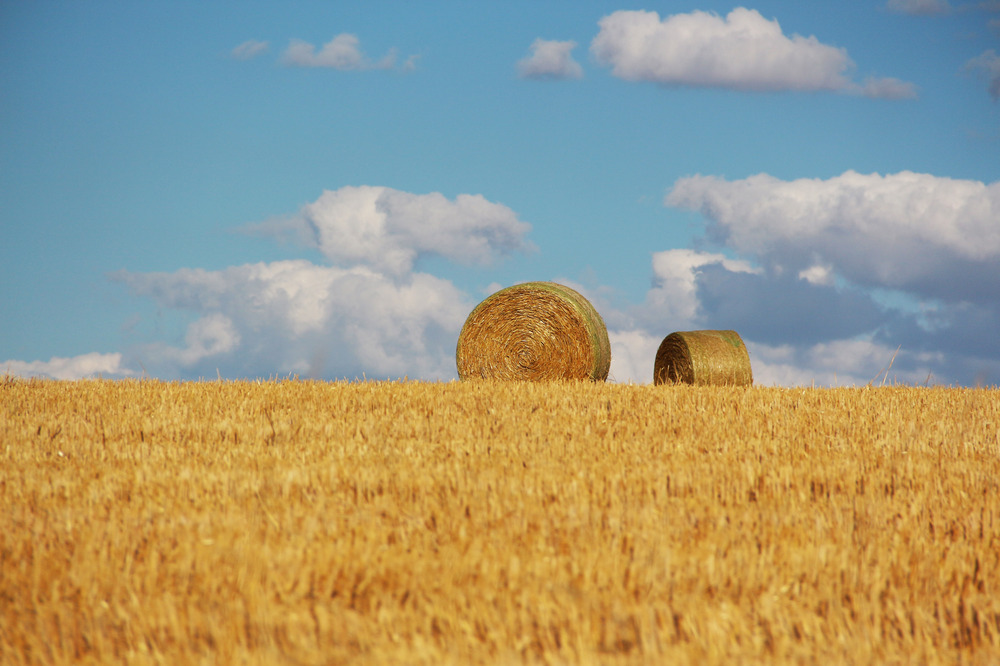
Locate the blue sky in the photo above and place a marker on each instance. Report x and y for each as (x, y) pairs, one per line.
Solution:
(326, 189)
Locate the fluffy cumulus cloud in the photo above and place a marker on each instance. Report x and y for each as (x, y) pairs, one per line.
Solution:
(294, 317)
(817, 259)
(919, 7)
(369, 313)
(987, 64)
(694, 290)
(389, 230)
(77, 367)
(932, 236)
(342, 52)
(743, 51)
(550, 60)
(801, 334)
(211, 336)
(673, 299)
(851, 280)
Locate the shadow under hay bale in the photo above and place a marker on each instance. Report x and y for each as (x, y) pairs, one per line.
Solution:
(703, 358)
(534, 331)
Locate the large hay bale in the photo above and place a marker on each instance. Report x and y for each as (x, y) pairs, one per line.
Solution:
(703, 358)
(534, 331)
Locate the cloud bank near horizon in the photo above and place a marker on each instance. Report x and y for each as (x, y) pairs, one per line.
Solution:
(828, 281)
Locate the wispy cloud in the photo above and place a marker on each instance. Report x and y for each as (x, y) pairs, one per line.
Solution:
(801, 273)
(249, 49)
(76, 367)
(987, 64)
(852, 362)
(885, 88)
(919, 7)
(343, 52)
(550, 60)
(743, 51)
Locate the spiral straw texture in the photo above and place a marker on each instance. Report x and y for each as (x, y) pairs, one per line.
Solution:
(534, 331)
(703, 358)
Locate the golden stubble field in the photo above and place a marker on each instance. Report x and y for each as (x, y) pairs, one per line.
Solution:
(292, 522)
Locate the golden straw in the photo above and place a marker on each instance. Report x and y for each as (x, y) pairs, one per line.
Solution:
(703, 358)
(534, 331)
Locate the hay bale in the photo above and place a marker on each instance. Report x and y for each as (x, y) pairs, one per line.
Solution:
(703, 358)
(534, 331)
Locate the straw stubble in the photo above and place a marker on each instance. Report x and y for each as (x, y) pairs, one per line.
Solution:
(313, 523)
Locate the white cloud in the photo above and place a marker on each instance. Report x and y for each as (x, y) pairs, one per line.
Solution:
(673, 296)
(987, 63)
(743, 51)
(296, 317)
(632, 356)
(830, 248)
(801, 330)
(389, 230)
(342, 52)
(208, 337)
(681, 299)
(885, 88)
(550, 60)
(410, 63)
(919, 7)
(370, 315)
(77, 367)
(817, 274)
(932, 236)
(852, 362)
(249, 49)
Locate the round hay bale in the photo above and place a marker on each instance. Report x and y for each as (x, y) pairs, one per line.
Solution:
(534, 331)
(703, 358)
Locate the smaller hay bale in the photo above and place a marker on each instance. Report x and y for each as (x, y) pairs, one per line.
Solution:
(534, 331)
(703, 358)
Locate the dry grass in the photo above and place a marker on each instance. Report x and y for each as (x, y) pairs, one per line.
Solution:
(478, 522)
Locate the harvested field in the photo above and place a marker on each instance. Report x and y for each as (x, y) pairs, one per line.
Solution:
(482, 522)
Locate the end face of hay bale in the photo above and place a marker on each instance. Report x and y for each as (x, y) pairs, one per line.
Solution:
(703, 358)
(534, 331)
